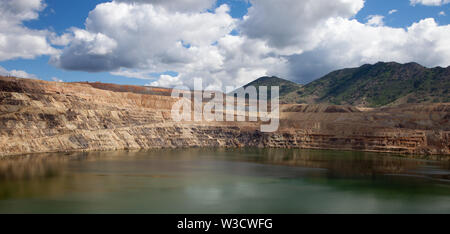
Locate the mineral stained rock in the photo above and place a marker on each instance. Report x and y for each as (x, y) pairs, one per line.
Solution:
(38, 116)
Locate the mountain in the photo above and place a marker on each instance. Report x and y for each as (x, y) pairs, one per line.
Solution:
(286, 86)
(374, 85)
(379, 85)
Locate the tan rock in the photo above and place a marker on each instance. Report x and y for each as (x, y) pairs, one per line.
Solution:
(39, 116)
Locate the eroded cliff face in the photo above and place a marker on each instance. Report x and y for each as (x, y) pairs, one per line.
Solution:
(38, 116)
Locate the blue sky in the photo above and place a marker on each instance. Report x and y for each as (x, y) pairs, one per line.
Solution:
(60, 16)
(405, 15)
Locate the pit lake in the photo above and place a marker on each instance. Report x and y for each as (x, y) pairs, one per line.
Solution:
(218, 181)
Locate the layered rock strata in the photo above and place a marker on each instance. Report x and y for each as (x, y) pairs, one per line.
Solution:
(38, 116)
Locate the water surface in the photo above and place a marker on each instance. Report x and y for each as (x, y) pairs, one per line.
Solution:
(223, 181)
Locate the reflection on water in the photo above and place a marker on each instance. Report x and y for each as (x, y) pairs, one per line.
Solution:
(223, 181)
(29, 167)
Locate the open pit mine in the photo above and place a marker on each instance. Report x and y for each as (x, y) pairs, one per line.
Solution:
(39, 116)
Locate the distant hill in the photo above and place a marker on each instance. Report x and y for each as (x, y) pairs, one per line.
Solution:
(286, 86)
(375, 85)
(379, 85)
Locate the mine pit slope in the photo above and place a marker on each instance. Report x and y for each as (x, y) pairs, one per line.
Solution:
(39, 116)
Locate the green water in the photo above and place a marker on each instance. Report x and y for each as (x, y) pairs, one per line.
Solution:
(223, 181)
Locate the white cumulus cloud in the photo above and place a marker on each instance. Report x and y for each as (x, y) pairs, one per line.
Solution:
(167, 81)
(291, 23)
(349, 43)
(16, 73)
(429, 2)
(297, 40)
(135, 40)
(16, 40)
(334, 40)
